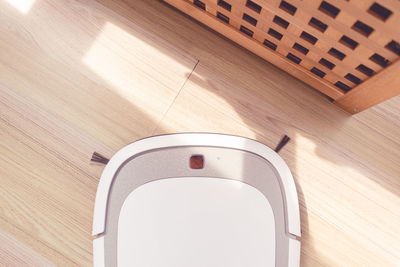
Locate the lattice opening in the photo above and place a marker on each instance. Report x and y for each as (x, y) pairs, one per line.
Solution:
(318, 72)
(336, 53)
(293, 58)
(326, 63)
(225, 5)
(288, 7)
(380, 60)
(300, 48)
(394, 47)
(347, 41)
(364, 69)
(352, 78)
(329, 9)
(199, 4)
(253, 6)
(380, 12)
(246, 31)
(281, 22)
(317, 24)
(275, 34)
(223, 17)
(308, 37)
(270, 44)
(249, 19)
(342, 86)
(362, 28)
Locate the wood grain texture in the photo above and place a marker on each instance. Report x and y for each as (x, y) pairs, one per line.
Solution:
(15, 253)
(85, 76)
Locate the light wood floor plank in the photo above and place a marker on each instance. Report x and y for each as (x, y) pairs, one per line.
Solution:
(81, 76)
(19, 254)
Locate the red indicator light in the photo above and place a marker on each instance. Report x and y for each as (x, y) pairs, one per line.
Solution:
(196, 162)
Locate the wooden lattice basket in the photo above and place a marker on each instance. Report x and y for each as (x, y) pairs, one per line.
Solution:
(349, 50)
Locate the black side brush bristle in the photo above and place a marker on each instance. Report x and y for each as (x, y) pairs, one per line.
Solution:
(282, 143)
(96, 157)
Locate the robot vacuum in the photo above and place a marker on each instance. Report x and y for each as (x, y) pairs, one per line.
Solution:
(196, 200)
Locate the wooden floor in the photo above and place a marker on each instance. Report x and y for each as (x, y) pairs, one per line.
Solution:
(83, 76)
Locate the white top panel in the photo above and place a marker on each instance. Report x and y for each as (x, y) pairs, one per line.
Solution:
(196, 222)
(193, 139)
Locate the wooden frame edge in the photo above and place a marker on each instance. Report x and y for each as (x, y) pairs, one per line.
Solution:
(382, 86)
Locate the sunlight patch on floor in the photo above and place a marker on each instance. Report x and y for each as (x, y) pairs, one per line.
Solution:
(136, 70)
(345, 195)
(22, 5)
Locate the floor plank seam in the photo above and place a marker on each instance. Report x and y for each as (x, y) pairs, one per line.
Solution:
(176, 96)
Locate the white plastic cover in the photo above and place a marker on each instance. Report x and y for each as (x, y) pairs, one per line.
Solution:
(180, 222)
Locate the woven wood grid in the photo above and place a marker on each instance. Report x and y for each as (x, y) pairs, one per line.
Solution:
(342, 42)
